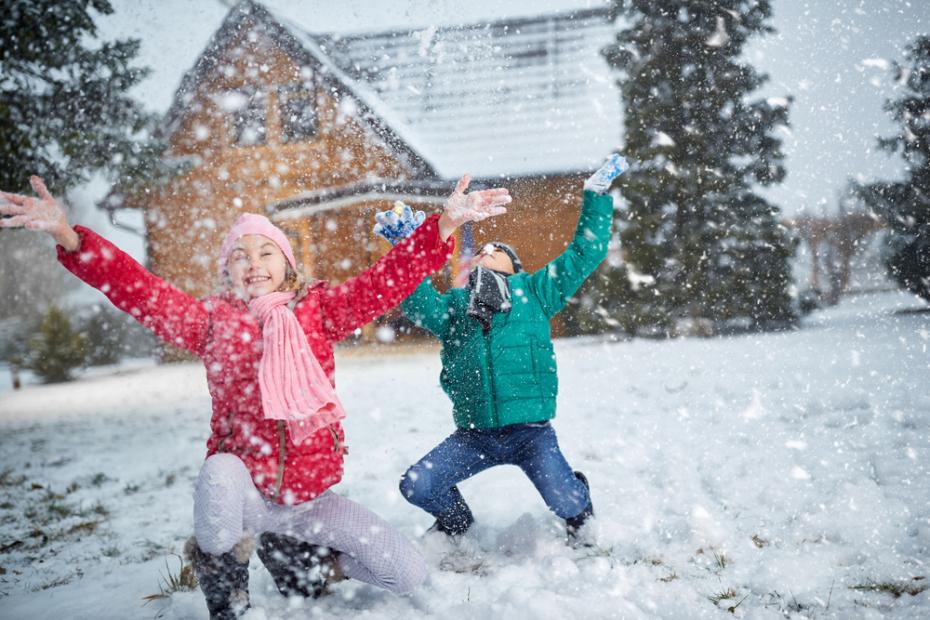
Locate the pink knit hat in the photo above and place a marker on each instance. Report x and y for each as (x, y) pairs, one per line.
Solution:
(254, 224)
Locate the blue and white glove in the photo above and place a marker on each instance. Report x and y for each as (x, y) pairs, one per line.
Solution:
(601, 180)
(398, 223)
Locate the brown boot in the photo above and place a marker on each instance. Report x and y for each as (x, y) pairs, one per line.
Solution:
(224, 578)
(299, 568)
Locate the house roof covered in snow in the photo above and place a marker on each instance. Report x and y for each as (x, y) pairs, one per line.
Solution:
(520, 96)
(303, 49)
(511, 97)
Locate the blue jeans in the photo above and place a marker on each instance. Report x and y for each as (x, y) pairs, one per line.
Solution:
(431, 482)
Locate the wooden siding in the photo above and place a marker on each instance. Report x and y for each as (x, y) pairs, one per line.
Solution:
(187, 219)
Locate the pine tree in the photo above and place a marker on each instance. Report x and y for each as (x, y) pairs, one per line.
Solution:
(112, 335)
(65, 113)
(905, 205)
(56, 349)
(697, 241)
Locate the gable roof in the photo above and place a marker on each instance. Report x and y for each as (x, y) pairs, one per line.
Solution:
(511, 97)
(304, 52)
(517, 96)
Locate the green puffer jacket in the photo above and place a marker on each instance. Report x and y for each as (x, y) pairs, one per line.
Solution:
(508, 376)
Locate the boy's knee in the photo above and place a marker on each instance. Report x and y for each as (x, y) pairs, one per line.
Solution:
(415, 485)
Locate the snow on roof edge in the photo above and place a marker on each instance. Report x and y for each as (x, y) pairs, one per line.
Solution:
(360, 91)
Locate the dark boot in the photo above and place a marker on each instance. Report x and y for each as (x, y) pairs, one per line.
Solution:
(457, 521)
(297, 567)
(573, 524)
(224, 578)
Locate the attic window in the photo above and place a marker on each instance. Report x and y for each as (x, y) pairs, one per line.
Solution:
(297, 108)
(247, 112)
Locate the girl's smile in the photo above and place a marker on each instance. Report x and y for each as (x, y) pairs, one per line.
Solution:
(256, 266)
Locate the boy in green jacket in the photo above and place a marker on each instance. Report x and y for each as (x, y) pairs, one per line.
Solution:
(499, 370)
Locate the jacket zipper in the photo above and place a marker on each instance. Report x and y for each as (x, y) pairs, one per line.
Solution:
(282, 454)
(336, 444)
(492, 401)
(222, 442)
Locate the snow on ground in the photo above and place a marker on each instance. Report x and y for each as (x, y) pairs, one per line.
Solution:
(784, 475)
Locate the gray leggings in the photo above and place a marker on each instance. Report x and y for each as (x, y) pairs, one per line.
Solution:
(227, 504)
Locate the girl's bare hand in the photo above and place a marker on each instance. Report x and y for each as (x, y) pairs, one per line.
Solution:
(43, 213)
(473, 207)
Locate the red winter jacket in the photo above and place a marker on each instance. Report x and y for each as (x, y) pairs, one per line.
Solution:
(221, 331)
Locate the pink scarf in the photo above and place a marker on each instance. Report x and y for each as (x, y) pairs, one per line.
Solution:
(293, 384)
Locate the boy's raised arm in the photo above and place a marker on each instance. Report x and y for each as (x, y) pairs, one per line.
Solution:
(555, 283)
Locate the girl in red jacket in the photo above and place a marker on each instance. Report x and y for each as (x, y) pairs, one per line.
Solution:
(276, 443)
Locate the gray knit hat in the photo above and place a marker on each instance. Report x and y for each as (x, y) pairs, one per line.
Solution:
(509, 251)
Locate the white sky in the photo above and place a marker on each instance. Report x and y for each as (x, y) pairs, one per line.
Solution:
(816, 56)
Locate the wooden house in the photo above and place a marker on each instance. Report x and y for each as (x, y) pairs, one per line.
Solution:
(320, 131)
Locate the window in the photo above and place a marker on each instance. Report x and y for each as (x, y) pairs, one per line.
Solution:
(297, 110)
(247, 110)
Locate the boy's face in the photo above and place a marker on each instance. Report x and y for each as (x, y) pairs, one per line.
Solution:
(492, 258)
(256, 266)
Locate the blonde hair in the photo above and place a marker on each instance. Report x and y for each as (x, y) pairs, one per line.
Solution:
(293, 281)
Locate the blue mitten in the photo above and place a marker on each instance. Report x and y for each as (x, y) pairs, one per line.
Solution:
(398, 223)
(600, 181)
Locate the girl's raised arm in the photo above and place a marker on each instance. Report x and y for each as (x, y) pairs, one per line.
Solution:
(385, 284)
(176, 317)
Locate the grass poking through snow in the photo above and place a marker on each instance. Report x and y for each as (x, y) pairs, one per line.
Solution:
(182, 581)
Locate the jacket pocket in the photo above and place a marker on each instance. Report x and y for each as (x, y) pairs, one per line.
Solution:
(543, 357)
(515, 359)
(547, 380)
(532, 373)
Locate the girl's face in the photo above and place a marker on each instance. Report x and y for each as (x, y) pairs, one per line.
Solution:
(256, 266)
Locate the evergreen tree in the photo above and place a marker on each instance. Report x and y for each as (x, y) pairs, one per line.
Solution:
(602, 304)
(697, 241)
(905, 205)
(56, 349)
(65, 113)
(112, 335)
